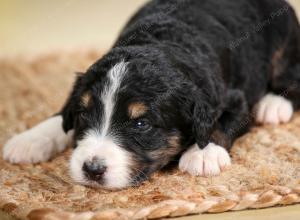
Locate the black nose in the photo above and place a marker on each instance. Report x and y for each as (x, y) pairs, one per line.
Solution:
(94, 169)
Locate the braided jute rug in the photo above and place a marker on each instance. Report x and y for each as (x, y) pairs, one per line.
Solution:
(265, 170)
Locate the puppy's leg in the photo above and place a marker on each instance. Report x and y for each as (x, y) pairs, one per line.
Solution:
(273, 109)
(38, 144)
(278, 106)
(212, 159)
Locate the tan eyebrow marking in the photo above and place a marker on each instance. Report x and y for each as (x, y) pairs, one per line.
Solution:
(85, 99)
(137, 109)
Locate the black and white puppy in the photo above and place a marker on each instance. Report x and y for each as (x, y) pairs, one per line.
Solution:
(181, 80)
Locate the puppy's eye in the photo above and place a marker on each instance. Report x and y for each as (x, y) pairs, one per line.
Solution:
(142, 125)
(83, 116)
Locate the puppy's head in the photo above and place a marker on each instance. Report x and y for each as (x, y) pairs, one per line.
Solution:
(132, 112)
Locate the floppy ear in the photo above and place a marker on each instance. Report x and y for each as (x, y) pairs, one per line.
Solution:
(204, 118)
(68, 117)
(69, 110)
(204, 92)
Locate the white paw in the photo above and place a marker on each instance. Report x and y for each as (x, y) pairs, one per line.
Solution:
(207, 162)
(38, 144)
(28, 148)
(273, 109)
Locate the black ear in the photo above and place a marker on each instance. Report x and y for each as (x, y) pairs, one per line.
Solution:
(68, 117)
(69, 110)
(204, 116)
(205, 92)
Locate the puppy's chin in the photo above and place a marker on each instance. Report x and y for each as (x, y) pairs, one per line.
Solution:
(135, 181)
(117, 160)
(96, 185)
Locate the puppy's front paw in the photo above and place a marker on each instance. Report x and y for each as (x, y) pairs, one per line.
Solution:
(207, 162)
(28, 147)
(273, 109)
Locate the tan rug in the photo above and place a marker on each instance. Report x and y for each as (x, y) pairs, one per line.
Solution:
(266, 169)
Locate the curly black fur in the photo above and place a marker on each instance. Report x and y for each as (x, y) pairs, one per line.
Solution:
(200, 66)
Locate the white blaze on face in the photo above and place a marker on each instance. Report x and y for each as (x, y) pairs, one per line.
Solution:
(116, 74)
(100, 143)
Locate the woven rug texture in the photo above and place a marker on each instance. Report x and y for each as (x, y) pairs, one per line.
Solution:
(265, 170)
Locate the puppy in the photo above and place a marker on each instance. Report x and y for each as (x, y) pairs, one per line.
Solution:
(181, 80)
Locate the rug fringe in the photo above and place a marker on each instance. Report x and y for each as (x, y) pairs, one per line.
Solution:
(176, 208)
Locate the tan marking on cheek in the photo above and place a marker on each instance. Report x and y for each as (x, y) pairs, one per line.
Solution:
(85, 99)
(137, 109)
(172, 150)
(161, 157)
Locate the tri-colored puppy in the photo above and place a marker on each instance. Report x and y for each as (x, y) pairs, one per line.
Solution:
(181, 80)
